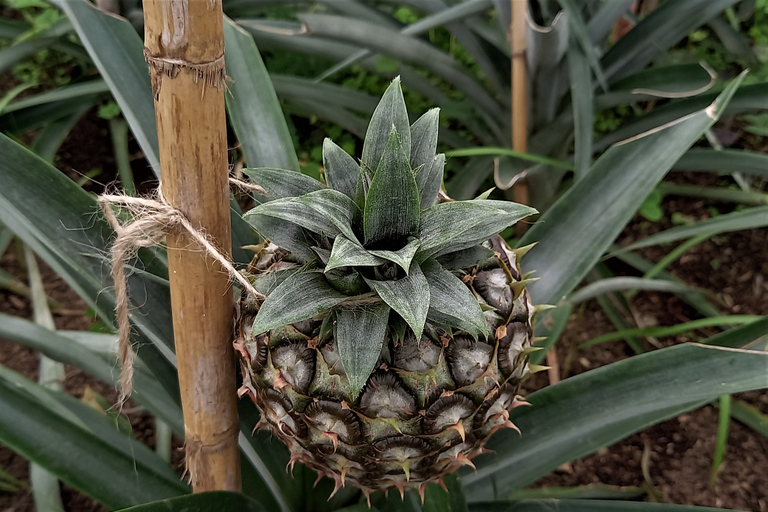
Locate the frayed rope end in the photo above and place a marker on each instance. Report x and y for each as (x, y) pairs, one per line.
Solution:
(152, 219)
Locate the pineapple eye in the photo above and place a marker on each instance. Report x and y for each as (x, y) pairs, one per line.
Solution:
(510, 348)
(386, 397)
(493, 287)
(296, 363)
(468, 359)
(446, 412)
(330, 418)
(416, 356)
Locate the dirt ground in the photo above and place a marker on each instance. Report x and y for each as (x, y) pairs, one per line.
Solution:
(678, 452)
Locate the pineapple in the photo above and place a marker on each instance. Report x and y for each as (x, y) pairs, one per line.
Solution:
(394, 328)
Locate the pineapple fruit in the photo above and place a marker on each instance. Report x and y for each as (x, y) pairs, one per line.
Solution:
(394, 327)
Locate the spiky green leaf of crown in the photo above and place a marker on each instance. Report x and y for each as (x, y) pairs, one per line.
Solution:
(372, 239)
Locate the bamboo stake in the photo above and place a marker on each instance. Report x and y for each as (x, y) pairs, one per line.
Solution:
(184, 46)
(518, 45)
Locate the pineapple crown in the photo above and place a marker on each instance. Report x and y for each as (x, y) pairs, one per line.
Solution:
(374, 241)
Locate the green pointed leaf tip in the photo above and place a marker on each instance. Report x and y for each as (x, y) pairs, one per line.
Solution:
(424, 138)
(389, 112)
(359, 335)
(341, 170)
(392, 205)
(408, 296)
(299, 297)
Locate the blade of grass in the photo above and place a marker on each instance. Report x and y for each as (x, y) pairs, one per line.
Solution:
(499, 151)
(729, 195)
(723, 422)
(614, 284)
(118, 129)
(45, 486)
(736, 221)
(675, 254)
(675, 329)
(750, 416)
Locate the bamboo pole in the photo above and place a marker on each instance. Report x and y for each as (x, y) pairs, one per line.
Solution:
(184, 46)
(518, 45)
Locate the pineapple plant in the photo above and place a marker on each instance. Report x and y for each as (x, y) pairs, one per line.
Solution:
(393, 328)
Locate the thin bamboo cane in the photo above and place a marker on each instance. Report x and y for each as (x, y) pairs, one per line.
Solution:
(184, 46)
(518, 45)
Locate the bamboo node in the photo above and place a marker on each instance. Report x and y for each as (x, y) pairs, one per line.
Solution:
(152, 219)
(211, 73)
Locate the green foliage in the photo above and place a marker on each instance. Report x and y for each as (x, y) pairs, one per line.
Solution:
(573, 235)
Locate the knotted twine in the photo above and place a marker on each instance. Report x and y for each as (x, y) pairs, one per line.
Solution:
(152, 219)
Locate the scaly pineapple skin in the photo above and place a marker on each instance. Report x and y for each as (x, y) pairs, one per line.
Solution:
(427, 409)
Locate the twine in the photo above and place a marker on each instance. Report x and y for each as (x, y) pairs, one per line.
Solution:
(153, 219)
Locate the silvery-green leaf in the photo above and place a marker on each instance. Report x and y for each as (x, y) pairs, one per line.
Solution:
(325, 211)
(359, 335)
(392, 205)
(323, 254)
(449, 227)
(299, 297)
(429, 180)
(347, 281)
(285, 234)
(424, 138)
(389, 112)
(336, 207)
(346, 253)
(268, 282)
(280, 183)
(451, 303)
(408, 296)
(465, 257)
(401, 257)
(341, 170)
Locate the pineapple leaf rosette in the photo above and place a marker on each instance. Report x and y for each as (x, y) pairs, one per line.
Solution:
(394, 328)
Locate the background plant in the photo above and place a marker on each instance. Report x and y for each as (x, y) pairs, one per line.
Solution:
(589, 206)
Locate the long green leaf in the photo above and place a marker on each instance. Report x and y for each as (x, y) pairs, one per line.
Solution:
(408, 296)
(449, 227)
(665, 26)
(392, 204)
(562, 424)
(202, 502)
(581, 36)
(583, 112)
(78, 457)
(749, 97)
(659, 331)
(451, 303)
(424, 139)
(744, 219)
(389, 113)
(252, 104)
(341, 170)
(359, 335)
(409, 49)
(346, 253)
(403, 256)
(61, 347)
(325, 211)
(586, 506)
(280, 183)
(615, 284)
(724, 161)
(117, 51)
(63, 228)
(750, 416)
(581, 225)
(301, 296)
